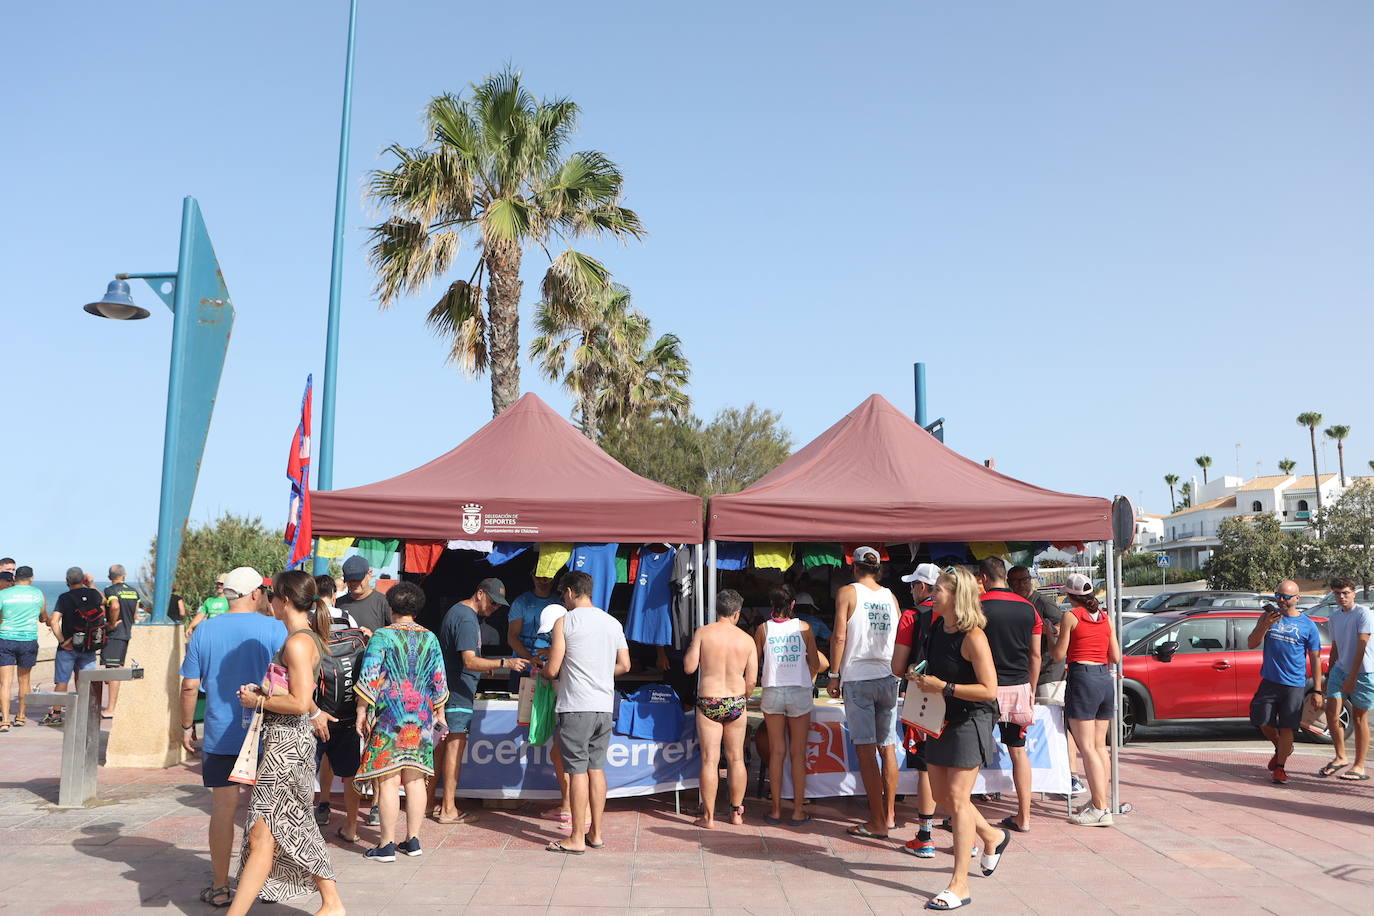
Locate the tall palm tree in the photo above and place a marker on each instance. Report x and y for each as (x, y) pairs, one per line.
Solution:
(1172, 481)
(1186, 497)
(1339, 433)
(493, 167)
(1311, 419)
(597, 346)
(1204, 462)
(1287, 465)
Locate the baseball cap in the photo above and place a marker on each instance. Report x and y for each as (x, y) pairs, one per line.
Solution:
(866, 555)
(495, 589)
(355, 569)
(241, 581)
(804, 598)
(549, 616)
(924, 572)
(1079, 585)
(219, 580)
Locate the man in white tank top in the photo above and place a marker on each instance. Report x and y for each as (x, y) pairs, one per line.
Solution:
(866, 617)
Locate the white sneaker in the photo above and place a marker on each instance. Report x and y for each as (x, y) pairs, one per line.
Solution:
(1092, 817)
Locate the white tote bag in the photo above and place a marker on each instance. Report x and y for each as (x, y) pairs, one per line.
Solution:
(522, 714)
(923, 711)
(245, 769)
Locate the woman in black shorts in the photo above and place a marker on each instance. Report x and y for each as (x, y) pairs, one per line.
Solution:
(1087, 641)
(960, 667)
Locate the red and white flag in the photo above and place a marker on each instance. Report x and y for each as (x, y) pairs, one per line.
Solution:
(298, 528)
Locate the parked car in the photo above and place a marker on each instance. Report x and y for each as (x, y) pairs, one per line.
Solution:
(1156, 602)
(1200, 599)
(1190, 667)
(1133, 602)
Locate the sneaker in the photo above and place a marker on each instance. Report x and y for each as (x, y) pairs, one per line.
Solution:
(1078, 786)
(921, 849)
(1092, 817)
(322, 814)
(1280, 775)
(385, 853)
(374, 817)
(410, 847)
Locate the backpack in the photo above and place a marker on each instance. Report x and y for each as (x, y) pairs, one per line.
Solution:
(338, 670)
(88, 627)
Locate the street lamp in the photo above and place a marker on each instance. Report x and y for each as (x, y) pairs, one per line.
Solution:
(202, 318)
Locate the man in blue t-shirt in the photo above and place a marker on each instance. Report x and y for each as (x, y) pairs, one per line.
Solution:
(523, 628)
(1292, 645)
(225, 653)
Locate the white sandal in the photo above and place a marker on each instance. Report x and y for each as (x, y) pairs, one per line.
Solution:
(990, 860)
(945, 900)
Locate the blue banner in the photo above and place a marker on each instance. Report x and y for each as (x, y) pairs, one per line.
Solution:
(500, 763)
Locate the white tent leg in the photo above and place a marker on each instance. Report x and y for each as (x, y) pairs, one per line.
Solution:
(1115, 605)
(711, 579)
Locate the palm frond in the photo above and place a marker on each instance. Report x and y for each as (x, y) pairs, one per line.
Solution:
(406, 257)
(457, 317)
(573, 284)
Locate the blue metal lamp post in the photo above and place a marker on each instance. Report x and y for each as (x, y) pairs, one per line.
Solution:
(202, 319)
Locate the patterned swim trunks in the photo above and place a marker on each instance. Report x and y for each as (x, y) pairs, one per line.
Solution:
(721, 709)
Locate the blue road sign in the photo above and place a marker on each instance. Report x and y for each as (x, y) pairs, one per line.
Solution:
(1162, 560)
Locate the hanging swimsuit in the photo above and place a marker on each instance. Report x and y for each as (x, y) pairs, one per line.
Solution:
(721, 709)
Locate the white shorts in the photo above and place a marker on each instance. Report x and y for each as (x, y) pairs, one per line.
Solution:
(787, 701)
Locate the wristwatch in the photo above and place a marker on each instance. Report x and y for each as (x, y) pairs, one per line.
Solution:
(948, 690)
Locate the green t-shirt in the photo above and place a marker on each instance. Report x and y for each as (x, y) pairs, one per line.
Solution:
(213, 607)
(20, 606)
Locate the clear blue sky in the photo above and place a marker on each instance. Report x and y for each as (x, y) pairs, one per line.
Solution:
(1120, 235)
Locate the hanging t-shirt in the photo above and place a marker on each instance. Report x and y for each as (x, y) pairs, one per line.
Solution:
(505, 551)
(553, 556)
(813, 555)
(684, 597)
(423, 556)
(769, 555)
(650, 620)
(333, 548)
(653, 712)
(378, 552)
(732, 554)
(597, 561)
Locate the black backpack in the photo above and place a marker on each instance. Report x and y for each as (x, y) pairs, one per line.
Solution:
(89, 627)
(338, 671)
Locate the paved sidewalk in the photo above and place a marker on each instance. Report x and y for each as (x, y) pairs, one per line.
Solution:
(1209, 834)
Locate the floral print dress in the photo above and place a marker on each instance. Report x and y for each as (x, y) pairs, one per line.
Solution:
(402, 678)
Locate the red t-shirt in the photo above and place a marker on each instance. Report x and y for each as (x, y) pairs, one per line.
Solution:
(1091, 640)
(906, 626)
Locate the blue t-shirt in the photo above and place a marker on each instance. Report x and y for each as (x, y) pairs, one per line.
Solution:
(460, 632)
(1346, 627)
(1286, 645)
(527, 609)
(649, 621)
(597, 561)
(652, 712)
(225, 653)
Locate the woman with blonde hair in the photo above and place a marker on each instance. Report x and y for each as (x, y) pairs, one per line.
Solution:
(960, 666)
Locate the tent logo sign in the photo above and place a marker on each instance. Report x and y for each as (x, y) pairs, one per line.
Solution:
(472, 518)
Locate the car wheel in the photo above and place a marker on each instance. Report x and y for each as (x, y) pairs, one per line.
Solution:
(1129, 716)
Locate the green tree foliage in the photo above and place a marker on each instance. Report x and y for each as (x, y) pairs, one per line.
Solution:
(1346, 545)
(1339, 434)
(1204, 462)
(724, 456)
(1172, 481)
(1311, 419)
(1287, 465)
(217, 547)
(1255, 554)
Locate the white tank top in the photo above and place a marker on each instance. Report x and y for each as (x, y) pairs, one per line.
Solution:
(784, 655)
(870, 636)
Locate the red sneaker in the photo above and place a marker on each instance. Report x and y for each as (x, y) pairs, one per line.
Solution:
(1280, 775)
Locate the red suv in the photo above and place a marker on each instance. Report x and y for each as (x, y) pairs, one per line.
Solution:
(1192, 666)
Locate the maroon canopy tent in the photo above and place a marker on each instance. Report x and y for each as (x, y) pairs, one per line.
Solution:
(877, 476)
(528, 475)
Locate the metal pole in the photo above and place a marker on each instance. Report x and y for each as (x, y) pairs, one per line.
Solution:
(921, 395)
(711, 578)
(324, 478)
(1115, 605)
(699, 580)
(182, 318)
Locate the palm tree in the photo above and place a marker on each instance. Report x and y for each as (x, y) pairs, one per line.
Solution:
(597, 346)
(1287, 465)
(1172, 481)
(1204, 462)
(1339, 433)
(1311, 419)
(493, 167)
(1186, 497)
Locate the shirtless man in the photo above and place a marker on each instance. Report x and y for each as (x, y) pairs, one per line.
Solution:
(727, 667)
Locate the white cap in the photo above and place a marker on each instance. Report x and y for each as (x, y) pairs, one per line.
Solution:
(866, 555)
(549, 616)
(804, 598)
(241, 582)
(1079, 585)
(926, 573)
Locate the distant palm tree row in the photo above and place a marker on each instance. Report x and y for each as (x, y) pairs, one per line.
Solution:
(1311, 420)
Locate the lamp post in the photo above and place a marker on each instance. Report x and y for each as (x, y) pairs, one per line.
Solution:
(202, 318)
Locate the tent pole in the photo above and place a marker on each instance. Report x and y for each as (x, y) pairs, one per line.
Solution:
(1115, 607)
(711, 578)
(699, 574)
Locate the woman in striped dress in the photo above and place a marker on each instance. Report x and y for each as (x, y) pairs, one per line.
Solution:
(283, 853)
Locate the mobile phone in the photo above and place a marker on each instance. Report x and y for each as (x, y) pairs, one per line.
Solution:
(917, 669)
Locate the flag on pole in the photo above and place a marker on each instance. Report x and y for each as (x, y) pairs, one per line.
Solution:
(298, 528)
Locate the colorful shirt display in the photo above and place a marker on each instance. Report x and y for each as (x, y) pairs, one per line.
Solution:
(423, 556)
(378, 552)
(597, 561)
(553, 556)
(333, 548)
(402, 678)
(732, 554)
(772, 555)
(650, 621)
(813, 555)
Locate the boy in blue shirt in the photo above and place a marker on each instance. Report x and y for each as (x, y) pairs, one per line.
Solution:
(1292, 644)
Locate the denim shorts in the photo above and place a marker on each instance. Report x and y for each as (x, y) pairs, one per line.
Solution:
(1362, 697)
(1091, 693)
(792, 702)
(23, 653)
(870, 710)
(69, 660)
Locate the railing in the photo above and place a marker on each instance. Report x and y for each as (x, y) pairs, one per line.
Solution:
(1059, 575)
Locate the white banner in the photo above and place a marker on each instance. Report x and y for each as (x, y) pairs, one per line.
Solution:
(832, 769)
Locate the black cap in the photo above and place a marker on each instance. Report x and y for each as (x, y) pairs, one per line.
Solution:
(495, 589)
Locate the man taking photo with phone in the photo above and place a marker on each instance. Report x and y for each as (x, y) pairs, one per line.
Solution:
(1292, 644)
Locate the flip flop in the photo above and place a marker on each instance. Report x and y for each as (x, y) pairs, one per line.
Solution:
(1331, 767)
(945, 900)
(556, 846)
(347, 839)
(861, 830)
(798, 821)
(1009, 822)
(991, 860)
(776, 821)
(591, 845)
(467, 817)
(1353, 777)
(553, 814)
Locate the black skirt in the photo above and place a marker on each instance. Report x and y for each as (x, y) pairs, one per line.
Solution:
(965, 743)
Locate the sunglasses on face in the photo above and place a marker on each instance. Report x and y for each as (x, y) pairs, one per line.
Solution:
(1278, 597)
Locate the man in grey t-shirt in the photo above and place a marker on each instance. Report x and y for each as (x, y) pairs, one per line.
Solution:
(1021, 581)
(587, 653)
(366, 605)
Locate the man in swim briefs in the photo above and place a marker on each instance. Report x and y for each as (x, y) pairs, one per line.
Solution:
(727, 667)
